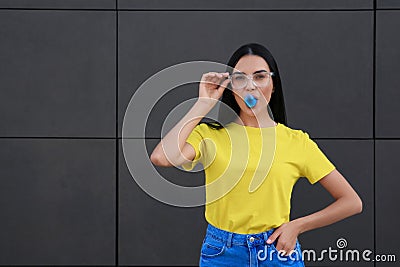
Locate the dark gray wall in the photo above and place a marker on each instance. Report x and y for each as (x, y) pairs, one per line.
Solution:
(69, 69)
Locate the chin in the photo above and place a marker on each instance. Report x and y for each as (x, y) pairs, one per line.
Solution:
(254, 111)
(249, 112)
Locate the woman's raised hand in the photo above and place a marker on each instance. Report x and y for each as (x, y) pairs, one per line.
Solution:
(211, 87)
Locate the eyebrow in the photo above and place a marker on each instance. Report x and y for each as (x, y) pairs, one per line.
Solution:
(239, 72)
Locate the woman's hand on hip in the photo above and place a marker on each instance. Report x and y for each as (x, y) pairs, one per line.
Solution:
(287, 236)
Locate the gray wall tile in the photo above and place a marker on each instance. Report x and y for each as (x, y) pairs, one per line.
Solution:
(150, 231)
(57, 201)
(387, 68)
(387, 4)
(243, 5)
(58, 74)
(387, 198)
(81, 4)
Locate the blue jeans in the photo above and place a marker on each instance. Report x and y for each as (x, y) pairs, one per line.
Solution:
(223, 248)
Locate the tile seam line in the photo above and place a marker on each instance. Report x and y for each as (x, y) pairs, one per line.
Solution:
(374, 21)
(117, 230)
(194, 10)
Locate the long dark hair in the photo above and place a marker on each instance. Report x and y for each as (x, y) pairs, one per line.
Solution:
(276, 103)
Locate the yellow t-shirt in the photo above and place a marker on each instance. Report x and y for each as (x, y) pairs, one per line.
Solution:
(250, 173)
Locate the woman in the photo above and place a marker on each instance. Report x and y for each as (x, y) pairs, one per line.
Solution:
(248, 222)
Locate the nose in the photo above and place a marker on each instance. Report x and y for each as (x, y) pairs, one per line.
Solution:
(250, 85)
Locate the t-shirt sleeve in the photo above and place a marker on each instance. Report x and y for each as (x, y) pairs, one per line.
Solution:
(316, 164)
(195, 139)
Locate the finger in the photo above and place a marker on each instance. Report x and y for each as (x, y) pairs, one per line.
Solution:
(287, 251)
(273, 237)
(214, 79)
(218, 75)
(215, 75)
(290, 252)
(279, 246)
(211, 79)
(224, 75)
(207, 76)
(219, 79)
(224, 84)
(293, 249)
(281, 252)
(207, 82)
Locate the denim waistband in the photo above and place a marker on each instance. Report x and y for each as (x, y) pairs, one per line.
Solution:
(238, 239)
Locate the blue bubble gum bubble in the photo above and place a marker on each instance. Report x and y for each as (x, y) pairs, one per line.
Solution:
(250, 100)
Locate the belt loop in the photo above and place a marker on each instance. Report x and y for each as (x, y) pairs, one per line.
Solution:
(229, 241)
(265, 237)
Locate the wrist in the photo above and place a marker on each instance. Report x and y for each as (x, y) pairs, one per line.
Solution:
(205, 104)
(300, 224)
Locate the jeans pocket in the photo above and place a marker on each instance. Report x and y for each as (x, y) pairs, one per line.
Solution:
(295, 255)
(212, 247)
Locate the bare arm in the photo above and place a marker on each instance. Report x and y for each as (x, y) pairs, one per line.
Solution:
(173, 150)
(347, 203)
(168, 151)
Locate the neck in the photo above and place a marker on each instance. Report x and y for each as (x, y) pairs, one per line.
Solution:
(260, 121)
